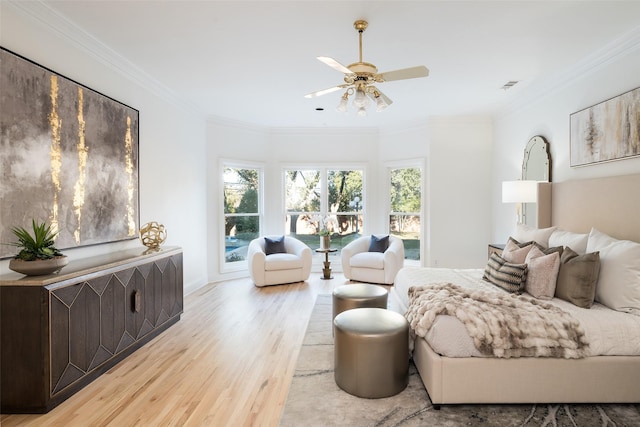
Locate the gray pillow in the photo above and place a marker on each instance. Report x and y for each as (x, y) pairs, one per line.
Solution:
(509, 276)
(274, 245)
(378, 244)
(578, 277)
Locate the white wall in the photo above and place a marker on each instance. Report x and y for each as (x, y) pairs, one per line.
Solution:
(459, 186)
(548, 115)
(457, 182)
(172, 136)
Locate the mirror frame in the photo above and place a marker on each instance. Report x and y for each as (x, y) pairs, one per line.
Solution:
(532, 151)
(535, 145)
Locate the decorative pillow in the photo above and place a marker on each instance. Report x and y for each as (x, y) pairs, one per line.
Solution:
(619, 282)
(515, 251)
(576, 241)
(274, 245)
(525, 233)
(378, 244)
(542, 273)
(577, 277)
(510, 277)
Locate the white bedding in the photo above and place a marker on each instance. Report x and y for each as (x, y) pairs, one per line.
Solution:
(609, 332)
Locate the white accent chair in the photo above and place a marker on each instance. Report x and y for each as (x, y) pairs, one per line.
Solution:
(279, 268)
(358, 264)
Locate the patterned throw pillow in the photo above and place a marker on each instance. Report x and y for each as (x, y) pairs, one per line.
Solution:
(509, 276)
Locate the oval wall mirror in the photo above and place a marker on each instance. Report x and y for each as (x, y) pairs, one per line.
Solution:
(536, 166)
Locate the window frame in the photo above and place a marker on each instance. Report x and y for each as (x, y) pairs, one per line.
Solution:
(416, 163)
(226, 267)
(324, 193)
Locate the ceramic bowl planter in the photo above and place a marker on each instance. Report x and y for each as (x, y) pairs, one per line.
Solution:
(38, 267)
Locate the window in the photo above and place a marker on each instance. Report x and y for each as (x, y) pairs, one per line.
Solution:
(406, 206)
(242, 210)
(317, 199)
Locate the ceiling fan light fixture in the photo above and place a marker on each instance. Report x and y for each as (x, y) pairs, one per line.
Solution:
(360, 99)
(380, 102)
(362, 112)
(342, 106)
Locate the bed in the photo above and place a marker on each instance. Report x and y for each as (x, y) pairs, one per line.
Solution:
(612, 206)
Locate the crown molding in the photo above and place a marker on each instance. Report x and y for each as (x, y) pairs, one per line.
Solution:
(236, 124)
(323, 131)
(624, 45)
(43, 15)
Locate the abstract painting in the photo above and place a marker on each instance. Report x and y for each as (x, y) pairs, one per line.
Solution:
(606, 131)
(68, 156)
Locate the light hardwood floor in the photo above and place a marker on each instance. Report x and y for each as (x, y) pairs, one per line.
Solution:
(229, 361)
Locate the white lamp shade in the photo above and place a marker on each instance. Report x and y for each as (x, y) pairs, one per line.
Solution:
(519, 191)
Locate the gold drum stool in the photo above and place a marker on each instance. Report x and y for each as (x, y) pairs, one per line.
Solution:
(371, 352)
(358, 296)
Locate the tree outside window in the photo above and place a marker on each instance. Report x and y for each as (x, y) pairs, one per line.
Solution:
(406, 207)
(324, 198)
(241, 211)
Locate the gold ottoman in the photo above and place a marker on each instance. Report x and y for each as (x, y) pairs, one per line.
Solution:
(371, 354)
(358, 296)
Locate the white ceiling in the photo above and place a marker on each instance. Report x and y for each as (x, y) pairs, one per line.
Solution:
(253, 61)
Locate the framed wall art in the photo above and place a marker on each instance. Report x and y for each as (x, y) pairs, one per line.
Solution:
(68, 156)
(606, 131)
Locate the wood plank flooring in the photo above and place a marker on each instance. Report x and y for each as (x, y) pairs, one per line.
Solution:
(229, 361)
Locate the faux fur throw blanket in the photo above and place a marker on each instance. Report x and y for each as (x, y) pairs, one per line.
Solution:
(500, 324)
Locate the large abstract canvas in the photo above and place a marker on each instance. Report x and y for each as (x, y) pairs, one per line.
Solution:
(68, 156)
(607, 131)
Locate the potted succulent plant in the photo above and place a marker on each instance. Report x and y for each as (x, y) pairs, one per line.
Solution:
(37, 255)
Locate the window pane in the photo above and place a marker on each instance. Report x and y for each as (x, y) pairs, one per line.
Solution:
(345, 190)
(241, 211)
(406, 190)
(317, 199)
(240, 190)
(239, 231)
(302, 190)
(407, 227)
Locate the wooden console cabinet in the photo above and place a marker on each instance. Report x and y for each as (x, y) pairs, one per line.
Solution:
(60, 332)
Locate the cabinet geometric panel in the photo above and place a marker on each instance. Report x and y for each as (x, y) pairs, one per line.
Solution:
(97, 320)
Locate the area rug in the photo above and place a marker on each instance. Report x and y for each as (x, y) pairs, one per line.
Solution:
(314, 399)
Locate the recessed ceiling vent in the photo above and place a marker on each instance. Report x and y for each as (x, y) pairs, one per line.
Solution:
(509, 84)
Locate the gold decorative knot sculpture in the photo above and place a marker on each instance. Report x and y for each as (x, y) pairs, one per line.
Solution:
(153, 234)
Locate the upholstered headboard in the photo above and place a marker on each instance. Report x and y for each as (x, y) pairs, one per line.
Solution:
(611, 204)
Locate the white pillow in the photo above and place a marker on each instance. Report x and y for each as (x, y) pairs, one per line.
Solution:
(542, 273)
(576, 241)
(525, 233)
(619, 281)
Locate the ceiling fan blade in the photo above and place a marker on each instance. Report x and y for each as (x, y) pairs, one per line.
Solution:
(334, 64)
(325, 91)
(405, 73)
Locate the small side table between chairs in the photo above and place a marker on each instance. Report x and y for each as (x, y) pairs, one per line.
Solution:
(326, 271)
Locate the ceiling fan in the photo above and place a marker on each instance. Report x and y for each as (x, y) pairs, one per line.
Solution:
(360, 77)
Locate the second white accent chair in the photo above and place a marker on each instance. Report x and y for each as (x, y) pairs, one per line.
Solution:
(362, 261)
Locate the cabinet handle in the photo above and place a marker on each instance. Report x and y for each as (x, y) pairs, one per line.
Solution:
(136, 301)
